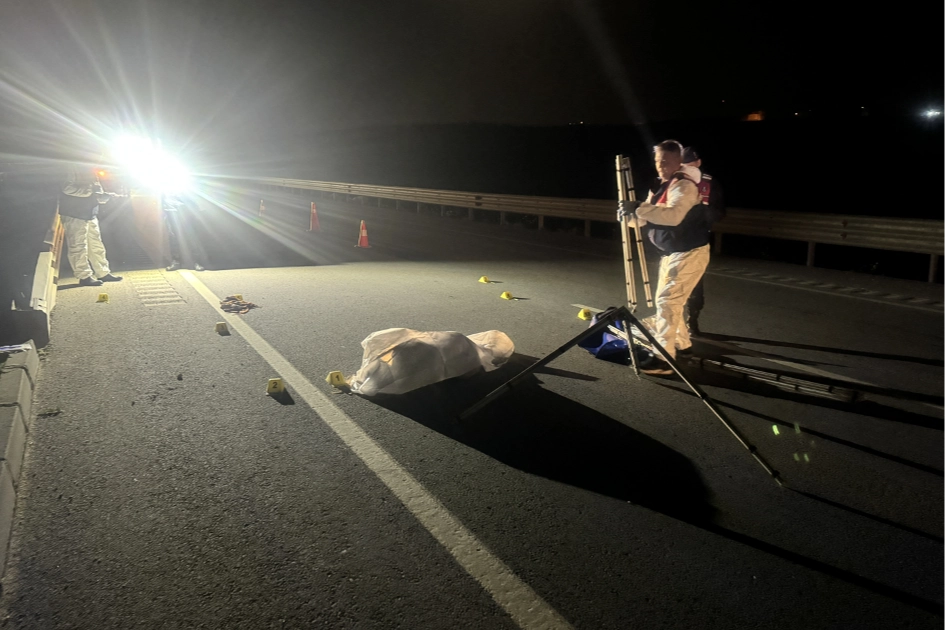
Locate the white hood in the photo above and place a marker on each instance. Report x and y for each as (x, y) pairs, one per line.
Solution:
(692, 172)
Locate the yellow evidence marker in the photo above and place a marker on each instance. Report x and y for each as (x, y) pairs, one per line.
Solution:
(506, 296)
(336, 379)
(585, 314)
(102, 297)
(275, 387)
(484, 280)
(222, 329)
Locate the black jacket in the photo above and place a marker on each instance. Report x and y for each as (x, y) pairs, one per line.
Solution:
(691, 233)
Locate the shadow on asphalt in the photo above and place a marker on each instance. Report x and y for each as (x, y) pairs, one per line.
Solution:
(820, 434)
(861, 406)
(830, 438)
(879, 588)
(542, 433)
(70, 286)
(792, 556)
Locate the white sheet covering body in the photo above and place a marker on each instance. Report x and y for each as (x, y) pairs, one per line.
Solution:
(398, 360)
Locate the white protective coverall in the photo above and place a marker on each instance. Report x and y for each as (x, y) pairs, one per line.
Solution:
(679, 272)
(86, 252)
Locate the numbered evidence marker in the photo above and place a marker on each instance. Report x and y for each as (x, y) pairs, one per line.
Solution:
(275, 387)
(336, 379)
(102, 297)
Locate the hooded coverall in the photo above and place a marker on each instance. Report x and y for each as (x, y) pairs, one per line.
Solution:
(675, 223)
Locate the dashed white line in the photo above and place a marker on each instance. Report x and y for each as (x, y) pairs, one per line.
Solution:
(842, 292)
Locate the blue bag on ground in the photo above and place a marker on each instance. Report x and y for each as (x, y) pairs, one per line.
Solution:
(606, 345)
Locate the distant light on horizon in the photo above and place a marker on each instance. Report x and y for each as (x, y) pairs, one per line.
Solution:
(933, 113)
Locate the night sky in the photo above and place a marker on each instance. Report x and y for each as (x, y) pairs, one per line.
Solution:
(207, 73)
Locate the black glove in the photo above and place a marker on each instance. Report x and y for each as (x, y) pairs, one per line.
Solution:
(626, 209)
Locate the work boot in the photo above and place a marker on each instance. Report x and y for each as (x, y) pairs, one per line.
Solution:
(111, 278)
(174, 266)
(651, 364)
(90, 282)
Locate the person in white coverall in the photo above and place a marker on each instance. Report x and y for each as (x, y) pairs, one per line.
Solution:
(673, 219)
(78, 207)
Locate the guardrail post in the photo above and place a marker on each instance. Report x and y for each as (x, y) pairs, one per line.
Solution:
(717, 247)
(587, 228)
(471, 214)
(933, 267)
(541, 222)
(418, 207)
(502, 220)
(810, 253)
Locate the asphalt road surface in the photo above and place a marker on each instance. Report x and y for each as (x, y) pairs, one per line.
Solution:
(163, 489)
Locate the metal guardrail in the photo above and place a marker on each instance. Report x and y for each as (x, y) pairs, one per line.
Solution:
(886, 233)
(920, 236)
(587, 209)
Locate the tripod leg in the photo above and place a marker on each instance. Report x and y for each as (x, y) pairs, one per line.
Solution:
(633, 354)
(708, 402)
(602, 324)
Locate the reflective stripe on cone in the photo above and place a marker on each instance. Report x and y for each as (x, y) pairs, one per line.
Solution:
(363, 239)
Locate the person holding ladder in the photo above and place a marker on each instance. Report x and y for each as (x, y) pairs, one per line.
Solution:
(674, 220)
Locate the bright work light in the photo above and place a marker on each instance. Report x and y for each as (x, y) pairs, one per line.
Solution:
(150, 166)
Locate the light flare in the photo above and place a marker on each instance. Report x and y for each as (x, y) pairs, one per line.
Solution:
(150, 166)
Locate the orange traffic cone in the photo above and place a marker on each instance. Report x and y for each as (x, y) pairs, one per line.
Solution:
(262, 207)
(362, 239)
(313, 221)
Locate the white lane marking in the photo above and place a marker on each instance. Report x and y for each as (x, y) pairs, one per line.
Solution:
(917, 307)
(524, 605)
